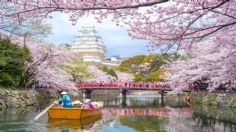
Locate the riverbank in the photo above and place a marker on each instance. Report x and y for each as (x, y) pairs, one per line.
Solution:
(23, 98)
(215, 99)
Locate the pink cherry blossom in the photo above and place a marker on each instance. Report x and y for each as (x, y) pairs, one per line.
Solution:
(204, 29)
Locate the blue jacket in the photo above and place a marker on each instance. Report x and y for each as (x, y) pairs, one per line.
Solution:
(65, 99)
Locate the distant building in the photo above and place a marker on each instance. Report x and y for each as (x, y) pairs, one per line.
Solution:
(90, 46)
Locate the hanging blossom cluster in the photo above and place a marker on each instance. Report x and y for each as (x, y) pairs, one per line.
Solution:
(19, 10)
(183, 22)
(161, 22)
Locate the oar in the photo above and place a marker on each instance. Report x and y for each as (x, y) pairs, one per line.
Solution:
(43, 112)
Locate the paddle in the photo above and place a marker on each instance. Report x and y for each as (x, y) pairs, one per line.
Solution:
(43, 112)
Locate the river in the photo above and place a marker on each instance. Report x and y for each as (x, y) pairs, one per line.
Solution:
(138, 114)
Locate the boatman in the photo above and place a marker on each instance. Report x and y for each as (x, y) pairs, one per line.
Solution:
(65, 100)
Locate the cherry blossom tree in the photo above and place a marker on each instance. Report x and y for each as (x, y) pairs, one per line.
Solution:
(124, 77)
(215, 61)
(45, 65)
(180, 23)
(48, 70)
(177, 24)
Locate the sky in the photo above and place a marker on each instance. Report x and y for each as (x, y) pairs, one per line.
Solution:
(116, 39)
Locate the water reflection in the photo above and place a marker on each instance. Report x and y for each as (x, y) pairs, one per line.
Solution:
(143, 119)
(147, 102)
(17, 114)
(218, 118)
(72, 125)
(162, 112)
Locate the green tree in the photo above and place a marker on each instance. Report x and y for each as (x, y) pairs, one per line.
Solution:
(108, 71)
(138, 77)
(157, 75)
(13, 62)
(77, 68)
(132, 64)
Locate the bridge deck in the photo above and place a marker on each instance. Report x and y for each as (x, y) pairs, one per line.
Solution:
(126, 86)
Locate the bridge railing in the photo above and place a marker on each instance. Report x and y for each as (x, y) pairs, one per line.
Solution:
(123, 85)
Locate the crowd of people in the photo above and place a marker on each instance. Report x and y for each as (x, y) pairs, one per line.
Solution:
(123, 84)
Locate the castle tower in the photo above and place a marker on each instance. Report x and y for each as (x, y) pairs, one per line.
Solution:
(89, 45)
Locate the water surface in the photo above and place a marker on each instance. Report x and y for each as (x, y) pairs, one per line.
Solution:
(145, 114)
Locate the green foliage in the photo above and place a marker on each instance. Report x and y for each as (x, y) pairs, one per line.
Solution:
(157, 75)
(131, 65)
(77, 68)
(138, 77)
(150, 58)
(108, 71)
(13, 62)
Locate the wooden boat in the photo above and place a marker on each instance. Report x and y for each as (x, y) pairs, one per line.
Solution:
(73, 124)
(72, 113)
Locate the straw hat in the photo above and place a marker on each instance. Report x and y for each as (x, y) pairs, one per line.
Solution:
(87, 100)
(63, 92)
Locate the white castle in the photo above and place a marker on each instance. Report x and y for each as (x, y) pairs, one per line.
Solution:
(90, 46)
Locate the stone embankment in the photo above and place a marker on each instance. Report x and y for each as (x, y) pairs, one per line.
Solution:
(23, 98)
(215, 99)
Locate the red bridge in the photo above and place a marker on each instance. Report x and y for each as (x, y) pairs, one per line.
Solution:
(125, 85)
(87, 88)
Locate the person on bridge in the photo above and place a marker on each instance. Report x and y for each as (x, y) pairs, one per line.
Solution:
(88, 104)
(65, 100)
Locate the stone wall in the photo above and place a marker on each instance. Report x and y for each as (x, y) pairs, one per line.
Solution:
(216, 99)
(22, 98)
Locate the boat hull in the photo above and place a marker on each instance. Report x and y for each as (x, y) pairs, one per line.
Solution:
(72, 113)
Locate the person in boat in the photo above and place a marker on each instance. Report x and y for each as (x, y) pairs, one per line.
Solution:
(88, 104)
(65, 100)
